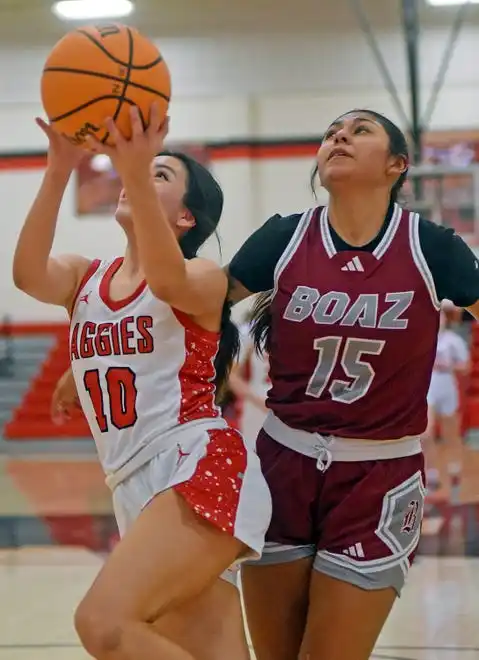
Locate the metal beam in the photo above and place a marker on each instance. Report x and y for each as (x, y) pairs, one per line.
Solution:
(368, 31)
(459, 20)
(411, 26)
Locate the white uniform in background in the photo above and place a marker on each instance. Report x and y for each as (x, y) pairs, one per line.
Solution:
(443, 393)
(144, 374)
(252, 417)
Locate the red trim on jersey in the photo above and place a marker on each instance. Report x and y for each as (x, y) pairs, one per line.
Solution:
(104, 288)
(188, 323)
(90, 271)
(197, 373)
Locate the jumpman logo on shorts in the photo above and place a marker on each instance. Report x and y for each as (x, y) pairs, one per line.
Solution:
(181, 454)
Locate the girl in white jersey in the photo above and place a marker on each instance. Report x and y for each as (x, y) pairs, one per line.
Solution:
(188, 493)
(249, 381)
(452, 357)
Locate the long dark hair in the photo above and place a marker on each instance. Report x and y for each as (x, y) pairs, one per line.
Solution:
(261, 314)
(204, 200)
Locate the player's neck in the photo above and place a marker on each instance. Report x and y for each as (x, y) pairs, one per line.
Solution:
(358, 218)
(131, 265)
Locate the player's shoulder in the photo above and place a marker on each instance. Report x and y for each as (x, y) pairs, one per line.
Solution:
(207, 273)
(432, 233)
(284, 223)
(203, 265)
(280, 228)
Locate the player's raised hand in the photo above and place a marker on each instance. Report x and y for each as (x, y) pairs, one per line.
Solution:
(136, 154)
(62, 155)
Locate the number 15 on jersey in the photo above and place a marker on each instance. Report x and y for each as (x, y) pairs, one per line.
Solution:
(348, 353)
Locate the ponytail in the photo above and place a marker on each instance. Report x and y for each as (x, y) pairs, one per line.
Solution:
(228, 351)
(261, 322)
(204, 200)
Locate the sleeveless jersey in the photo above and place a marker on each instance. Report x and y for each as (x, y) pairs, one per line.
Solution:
(256, 370)
(140, 367)
(354, 333)
(259, 375)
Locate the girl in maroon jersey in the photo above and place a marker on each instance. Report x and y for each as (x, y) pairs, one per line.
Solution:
(354, 297)
(158, 593)
(341, 449)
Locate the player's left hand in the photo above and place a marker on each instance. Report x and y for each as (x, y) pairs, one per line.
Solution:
(135, 155)
(65, 399)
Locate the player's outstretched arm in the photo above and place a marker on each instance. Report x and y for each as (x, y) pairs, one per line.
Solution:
(48, 279)
(197, 286)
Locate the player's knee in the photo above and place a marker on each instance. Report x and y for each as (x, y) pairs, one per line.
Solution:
(100, 633)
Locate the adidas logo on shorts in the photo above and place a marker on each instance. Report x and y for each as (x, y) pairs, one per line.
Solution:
(355, 550)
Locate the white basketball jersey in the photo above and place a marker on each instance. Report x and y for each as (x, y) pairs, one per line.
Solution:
(451, 350)
(259, 374)
(140, 367)
(257, 367)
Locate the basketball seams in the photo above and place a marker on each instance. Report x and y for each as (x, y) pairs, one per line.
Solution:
(105, 76)
(126, 81)
(128, 74)
(137, 67)
(106, 97)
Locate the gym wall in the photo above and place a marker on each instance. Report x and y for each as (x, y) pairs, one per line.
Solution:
(262, 103)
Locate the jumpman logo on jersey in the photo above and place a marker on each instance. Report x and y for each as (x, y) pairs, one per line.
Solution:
(84, 298)
(181, 454)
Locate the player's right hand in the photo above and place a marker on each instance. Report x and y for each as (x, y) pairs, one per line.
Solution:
(65, 399)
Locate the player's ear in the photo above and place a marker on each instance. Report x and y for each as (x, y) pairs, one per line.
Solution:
(397, 165)
(186, 220)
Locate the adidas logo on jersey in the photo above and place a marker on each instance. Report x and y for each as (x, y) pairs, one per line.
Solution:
(354, 265)
(355, 550)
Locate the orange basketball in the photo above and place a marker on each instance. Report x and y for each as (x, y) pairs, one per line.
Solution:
(99, 72)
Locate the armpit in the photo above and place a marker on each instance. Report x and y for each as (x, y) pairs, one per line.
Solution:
(236, 291)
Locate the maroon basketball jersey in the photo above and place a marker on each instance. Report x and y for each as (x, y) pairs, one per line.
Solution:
(354, 333)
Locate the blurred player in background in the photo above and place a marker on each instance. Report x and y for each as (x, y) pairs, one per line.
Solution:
(249, 381)
(452, 360)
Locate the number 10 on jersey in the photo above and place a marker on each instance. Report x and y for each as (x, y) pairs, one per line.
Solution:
(113, 397)
(348, 353)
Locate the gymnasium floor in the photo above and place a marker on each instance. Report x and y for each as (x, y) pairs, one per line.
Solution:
(436, 619)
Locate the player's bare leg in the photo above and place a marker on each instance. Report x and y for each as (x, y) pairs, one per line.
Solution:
(148, 574)
(211, 626)
(454, 449)
(433, 475)
(276, 603)
(344, 621)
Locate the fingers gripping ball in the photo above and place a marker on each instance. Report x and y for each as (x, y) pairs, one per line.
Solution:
(99, 72)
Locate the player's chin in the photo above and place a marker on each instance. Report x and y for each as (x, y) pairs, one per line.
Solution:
(340, 169)
(123, 212)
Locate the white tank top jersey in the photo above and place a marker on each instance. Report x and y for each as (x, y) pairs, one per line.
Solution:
(451, 351)
(140, 367)
(252, 417)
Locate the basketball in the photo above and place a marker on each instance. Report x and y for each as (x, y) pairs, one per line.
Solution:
(97, 72)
